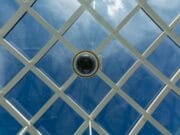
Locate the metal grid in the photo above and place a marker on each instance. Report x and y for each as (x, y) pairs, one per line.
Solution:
(28, 125)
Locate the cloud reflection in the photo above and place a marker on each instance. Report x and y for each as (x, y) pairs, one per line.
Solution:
(113, 6)
(116, 60)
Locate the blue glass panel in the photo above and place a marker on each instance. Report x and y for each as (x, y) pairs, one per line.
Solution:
(140, 31)
(56, 12)
(27, 133)
(86, 33)
(114, 11)
(9, 66)
(166, 9)
(29, 95)
(8, 125)
(59, 63)
(7, 9)
(178, 83)
(116, 60)
(168, 113)
(28, 36)
(60, 119)
(149, 129)
(143, 86)
(88, 92)
(166, 57)
(117, 117)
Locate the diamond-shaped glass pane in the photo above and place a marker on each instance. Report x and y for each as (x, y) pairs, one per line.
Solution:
(117, 61)
(7, 9)
(114, 11)
(166, 57)
(56, 12)
(59, 63)
(117, 117)
(168, 113)
(55, 99)
(8, 125)
(88, 92)
(29, 95)
(148, 86)
(86, 33)
(140, 31)
(58, 120)
(28, 36)
(166, 9)
(9, 66)
(149, 129)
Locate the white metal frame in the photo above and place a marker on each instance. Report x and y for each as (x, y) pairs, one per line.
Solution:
(28, 125)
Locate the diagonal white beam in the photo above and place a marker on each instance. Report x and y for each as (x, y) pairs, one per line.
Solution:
(24, 60)
(125, 77)
(152, 107)
(123, 22)
(56, 37)
(82, 128)
(48, 104)
(17, 115)
(63, 96)
(68, 100)
(15, 18)
(22, 132)
(156, 19)
(40, 54)
(126, 44)
(6, 104)
(134, 104)
(55, 33)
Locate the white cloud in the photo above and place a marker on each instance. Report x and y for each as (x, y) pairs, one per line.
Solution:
(114, 6)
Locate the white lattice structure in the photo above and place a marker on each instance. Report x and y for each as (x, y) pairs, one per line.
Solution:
(28, 125)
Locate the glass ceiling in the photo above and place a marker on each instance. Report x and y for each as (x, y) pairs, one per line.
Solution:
(136, 90)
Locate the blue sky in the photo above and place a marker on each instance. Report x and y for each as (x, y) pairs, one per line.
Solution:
(28, 36)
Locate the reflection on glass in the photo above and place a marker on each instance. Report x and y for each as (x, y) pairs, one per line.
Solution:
(116, 60)
(113, 11)
(168, 113)
(86, 33)
(140, 31)
(56, 12)
(8, 125)
(59, 60)
(9, 66)
(28, 36)
(60, 119)
(117, 117)
(88, 92)
(7, 9)
(142, 86)
(166, 9)
(29, 95)
(166, 57)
